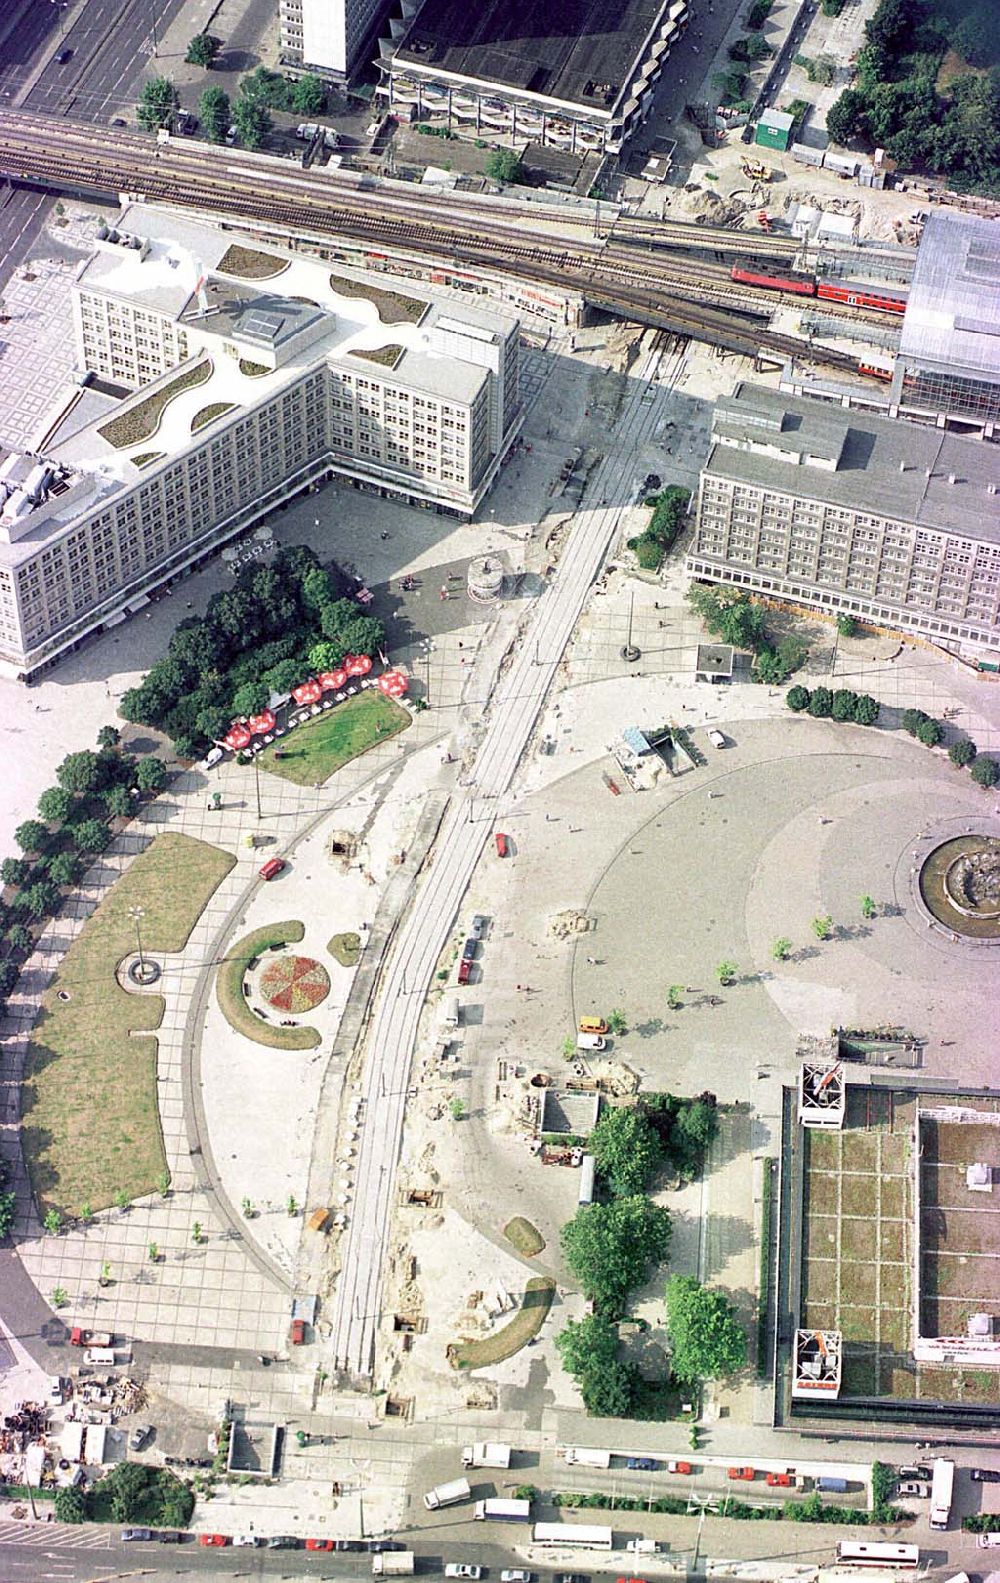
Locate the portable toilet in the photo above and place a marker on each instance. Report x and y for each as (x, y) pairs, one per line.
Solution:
(774, 129)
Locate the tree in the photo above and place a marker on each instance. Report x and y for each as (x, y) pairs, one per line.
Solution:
(92, 835)
(31, 836)
(758, 13)
(52, 1222)
(250, 698)
(70, 1505)
(822, 926)
(706, 1340)
(214, 113)
(913, 719)
(963, 753)
(611, 1247)
(845, 703)
(985, 772)
(821, 703)
(308, 95)
(797, 698)
(930, 733)
(40, 899)
(674, 993)
(117, 802)
(81, 772)
(866, 710)
(202, 50)
(250, 119)
(325, 655)
(504, 166)
(281, 678)
(20, 937)
(127, 1486)
(846, 118)
(8, 1210)
(726, 972)
(14, 870)
(626, 1147)
(8, 976)
(55, 804)
(617, 1023)
(64, 868)
(109, 737)
(846, 626)
(318, 590)
(769, 668)
(695, 1124)
(781, 949)
(60, 1297)
(151, 775)
(867, 906)
(157, 103)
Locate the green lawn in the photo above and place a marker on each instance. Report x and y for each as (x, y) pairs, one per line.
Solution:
(313, 752)
(525, 1237)
(524, 1326)
(232, 1001)
(91, 1125)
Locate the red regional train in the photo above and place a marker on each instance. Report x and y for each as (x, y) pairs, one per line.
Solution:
(887, 299)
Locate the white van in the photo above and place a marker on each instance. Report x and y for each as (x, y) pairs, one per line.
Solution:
(591, 1041)
(102, 1357)
(451, 1011)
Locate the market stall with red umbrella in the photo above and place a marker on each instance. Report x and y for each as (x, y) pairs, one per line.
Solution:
(309, 693)
(237, 737)
(393, 684)
(332, 681)
(262, 723)
(357, 664)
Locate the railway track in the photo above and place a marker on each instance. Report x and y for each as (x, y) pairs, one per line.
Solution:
(659, 287)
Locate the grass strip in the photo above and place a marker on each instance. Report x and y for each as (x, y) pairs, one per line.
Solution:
(232, 1001)
(524, 1326)
(91, 1122)
(525, 1237)
(312, 752)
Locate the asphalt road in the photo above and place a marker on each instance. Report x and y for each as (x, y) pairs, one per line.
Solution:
(111, 42)
(22, 216)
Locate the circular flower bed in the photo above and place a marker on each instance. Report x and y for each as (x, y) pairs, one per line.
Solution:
(294, 984)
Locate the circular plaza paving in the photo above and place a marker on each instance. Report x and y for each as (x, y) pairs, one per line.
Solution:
(794, 823)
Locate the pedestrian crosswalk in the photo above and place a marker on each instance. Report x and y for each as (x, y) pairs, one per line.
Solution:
(52, 1535)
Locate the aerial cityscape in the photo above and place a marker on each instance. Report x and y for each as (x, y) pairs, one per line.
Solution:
(500, 841)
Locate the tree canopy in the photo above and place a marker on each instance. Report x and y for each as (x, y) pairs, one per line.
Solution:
(214, 113)
(627, 1149)
(611, 1248)
(157, 103)
(706, 1340)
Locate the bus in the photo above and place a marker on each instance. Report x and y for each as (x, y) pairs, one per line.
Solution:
(942, 1486)
(577, 1534)
(895, 1558)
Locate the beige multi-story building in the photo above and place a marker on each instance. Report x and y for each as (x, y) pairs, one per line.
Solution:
(332, 37)
(876, 518)
(242, 396)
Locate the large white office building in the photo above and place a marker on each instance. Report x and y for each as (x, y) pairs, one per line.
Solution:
(331, 37)
(218, 378)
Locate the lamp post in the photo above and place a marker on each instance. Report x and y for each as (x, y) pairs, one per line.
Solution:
(137, 914)
(631, 651)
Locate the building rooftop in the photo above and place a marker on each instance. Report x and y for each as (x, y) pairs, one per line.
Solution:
(881, 465)
(578, 52)
(952, 315)
(261, 318)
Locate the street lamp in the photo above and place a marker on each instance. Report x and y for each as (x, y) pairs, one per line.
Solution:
(137, 914)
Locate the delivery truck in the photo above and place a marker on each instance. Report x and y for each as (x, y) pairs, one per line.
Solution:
(447, 1494)
(90, 1338)
(585, 1458)
(502, 1511)
(486, 1454)
(393, 1564)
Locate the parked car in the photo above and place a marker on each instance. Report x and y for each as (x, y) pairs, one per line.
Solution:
(464, 970)
(348, 1544)
(63, 56)
(748, 1474)
(213, 1539)
(501, 843)
(989, 1541)
(572, 1577)
(119, 120)
(283, 1542)
(516, 1575)
(780, 1480)
(272, 867)
(469, 950)
(630, 1580)
(918, 1487)
(678, 1467)
(919, 1470)
(140, 1434)
(128, 1534)
(715, 737)
(247, 1541)
(641, 1464)
(983, 1475)
(319, 1544)
(169, 1536)
(55, 1388)
(478, 928)
(463, 1569)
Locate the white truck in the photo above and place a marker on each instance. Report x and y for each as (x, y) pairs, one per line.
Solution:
(583, 1457)
(502, 1511)
(393, 1564)
(942, 1485)
(447, 1494)
(486, 1454)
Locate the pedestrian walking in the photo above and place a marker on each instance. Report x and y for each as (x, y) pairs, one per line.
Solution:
(444, 592)
(591, 961)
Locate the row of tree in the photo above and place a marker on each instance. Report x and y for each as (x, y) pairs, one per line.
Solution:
(963, 754)
(131, 1492)
(72, 827)
(259, 93)
(863, 710)
(843, 705)
(669, 514)
(899, 102)
(262, 636)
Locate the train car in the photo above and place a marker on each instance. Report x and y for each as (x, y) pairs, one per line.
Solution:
(874, 371)
(886, 299)
(801, 285)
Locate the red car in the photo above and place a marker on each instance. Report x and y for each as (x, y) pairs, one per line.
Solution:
(213, 1539)
(678, 1467)
(781, 1480)
(749, 1474)
(273, 866)
(464, 970)
(297, 1332)
(502, 843)
(319, 1544)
